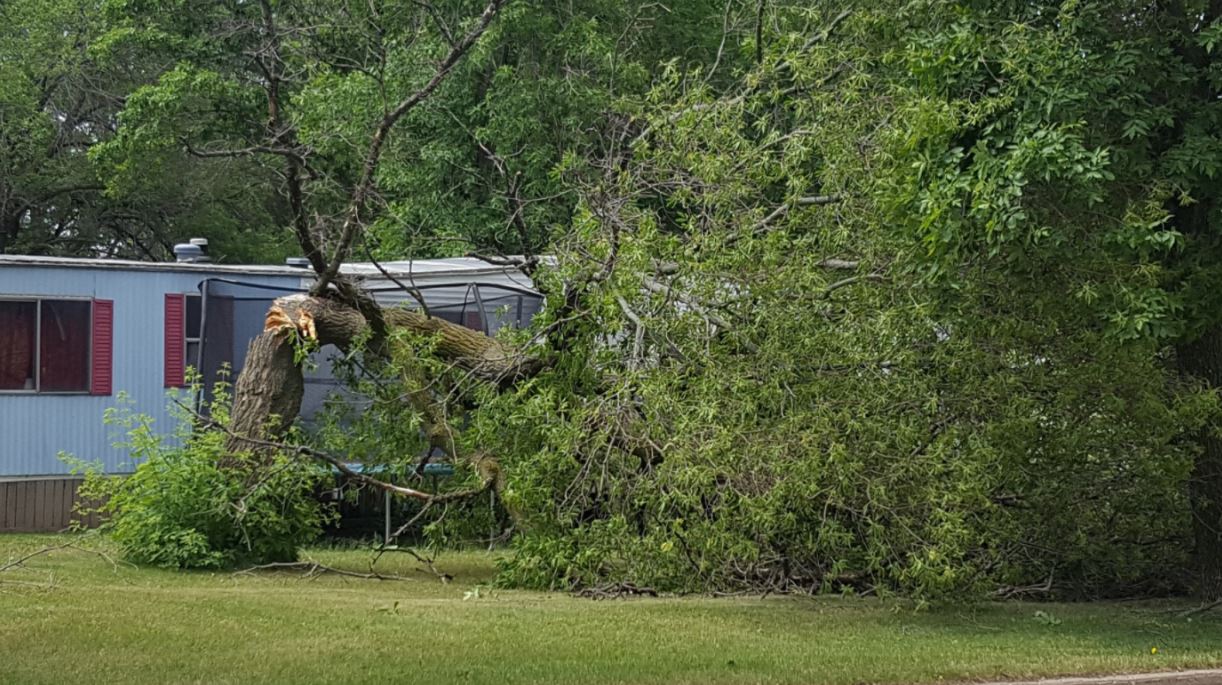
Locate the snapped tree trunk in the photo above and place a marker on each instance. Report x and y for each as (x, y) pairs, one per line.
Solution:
(267, 396)
(1201, 359)
(268, 392)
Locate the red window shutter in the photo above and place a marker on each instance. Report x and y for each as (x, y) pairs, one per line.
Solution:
(103, 347)
(175, 340)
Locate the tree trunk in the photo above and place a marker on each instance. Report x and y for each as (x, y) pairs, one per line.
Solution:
(10, 226)
(1201, 359)
(267, 395)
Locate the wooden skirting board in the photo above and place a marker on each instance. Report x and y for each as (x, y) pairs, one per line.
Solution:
(41, 505)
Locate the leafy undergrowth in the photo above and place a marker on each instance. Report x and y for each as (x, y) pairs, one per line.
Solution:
(71, 616)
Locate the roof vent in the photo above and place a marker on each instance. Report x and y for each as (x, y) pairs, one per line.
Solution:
(297, 262)
(190, 253)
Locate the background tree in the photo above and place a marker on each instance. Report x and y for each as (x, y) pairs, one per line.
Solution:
(1074, 144)
(470, 170)
(61, 91)
(328, 95)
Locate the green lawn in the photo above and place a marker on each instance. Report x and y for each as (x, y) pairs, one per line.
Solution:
(72, 617)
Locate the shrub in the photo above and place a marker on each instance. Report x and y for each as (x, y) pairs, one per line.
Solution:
(190, 504)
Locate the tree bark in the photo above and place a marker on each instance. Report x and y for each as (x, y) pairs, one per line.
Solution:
(1201, 360)
(335, 323)
(267, 395)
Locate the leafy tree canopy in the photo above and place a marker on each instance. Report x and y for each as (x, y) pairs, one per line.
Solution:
(62, 89)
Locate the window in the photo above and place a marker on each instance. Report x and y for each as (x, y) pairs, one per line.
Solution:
(45, 345)
(192, 330)
(183, 336)
(18, 322)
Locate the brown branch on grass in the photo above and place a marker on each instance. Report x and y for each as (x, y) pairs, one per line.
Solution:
(51, 583)
(313, 569)
(1012, 591)
(54, 548)
(441, 575)
(44, 550)
(616, 591)
(1201, 609)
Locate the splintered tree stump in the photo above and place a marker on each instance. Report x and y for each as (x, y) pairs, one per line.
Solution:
(267, 396)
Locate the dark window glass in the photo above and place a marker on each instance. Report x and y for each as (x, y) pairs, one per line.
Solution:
(63, 346)
(194, 317)
(17, 321)
(192, 355)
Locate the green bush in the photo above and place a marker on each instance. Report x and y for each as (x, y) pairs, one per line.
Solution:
(190, 504)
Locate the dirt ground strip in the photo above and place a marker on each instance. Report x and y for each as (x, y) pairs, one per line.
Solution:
(1198, 677)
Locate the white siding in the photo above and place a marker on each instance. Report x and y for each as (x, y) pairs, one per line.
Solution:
(34, 429)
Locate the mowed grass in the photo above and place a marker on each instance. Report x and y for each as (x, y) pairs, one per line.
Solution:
(73, 617)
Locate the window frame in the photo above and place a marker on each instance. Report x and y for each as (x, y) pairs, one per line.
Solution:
(187, 340)
(38, 300)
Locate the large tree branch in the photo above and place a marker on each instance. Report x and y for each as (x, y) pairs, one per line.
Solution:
(353, 219)
(282, 136)
(331, 322)
(268, 393)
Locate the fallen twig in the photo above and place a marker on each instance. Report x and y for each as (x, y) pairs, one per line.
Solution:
(54, 548)
(49, 585)
(1201, 609)
(1012, 591)
(616, 591)
(441, 575)
(313, 569)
